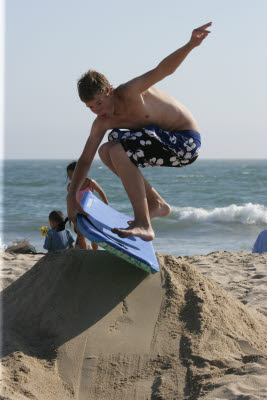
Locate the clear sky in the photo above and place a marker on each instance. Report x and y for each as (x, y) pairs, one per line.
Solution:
(49, 44)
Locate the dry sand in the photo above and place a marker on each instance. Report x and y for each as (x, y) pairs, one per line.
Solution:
(87, 325)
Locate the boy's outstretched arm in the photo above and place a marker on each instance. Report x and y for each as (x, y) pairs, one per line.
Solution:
(81, 170)
(169, 64)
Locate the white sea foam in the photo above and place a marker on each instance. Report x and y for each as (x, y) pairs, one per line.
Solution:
(191, 176)
(247, 214)
(2, 245)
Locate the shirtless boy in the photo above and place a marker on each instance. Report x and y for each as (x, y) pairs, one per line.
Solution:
(160, 132)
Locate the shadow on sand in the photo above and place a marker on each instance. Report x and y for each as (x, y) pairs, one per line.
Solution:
(63, 295)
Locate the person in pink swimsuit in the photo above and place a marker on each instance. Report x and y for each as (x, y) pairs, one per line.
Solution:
(89, 185)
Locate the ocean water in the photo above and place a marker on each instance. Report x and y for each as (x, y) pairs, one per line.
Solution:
(216, 204)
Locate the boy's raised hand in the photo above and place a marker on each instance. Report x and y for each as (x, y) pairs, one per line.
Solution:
(199, 34)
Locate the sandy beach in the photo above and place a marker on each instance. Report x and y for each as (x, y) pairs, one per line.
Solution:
(87, 325)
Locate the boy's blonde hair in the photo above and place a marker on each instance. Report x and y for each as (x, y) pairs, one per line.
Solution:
(92, 83)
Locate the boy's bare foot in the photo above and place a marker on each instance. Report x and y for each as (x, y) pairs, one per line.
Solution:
(156, 210)
(147, 234)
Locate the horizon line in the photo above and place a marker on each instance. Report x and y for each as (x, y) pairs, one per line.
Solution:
(98, 159)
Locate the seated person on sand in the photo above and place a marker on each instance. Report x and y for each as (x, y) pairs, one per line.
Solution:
(160, 132)
(58, 237)
(89, 185)
(260, 245)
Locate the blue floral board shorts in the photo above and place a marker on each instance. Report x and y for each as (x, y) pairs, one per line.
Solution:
(154, 147)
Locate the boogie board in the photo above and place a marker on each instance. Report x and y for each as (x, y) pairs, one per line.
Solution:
(97, 228)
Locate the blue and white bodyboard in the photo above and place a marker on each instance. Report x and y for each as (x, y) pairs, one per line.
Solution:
(97, 228)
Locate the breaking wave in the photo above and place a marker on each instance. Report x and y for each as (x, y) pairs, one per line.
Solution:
(247, 214)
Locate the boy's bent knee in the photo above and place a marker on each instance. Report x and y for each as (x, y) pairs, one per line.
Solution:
(116, 148)
(103, 150)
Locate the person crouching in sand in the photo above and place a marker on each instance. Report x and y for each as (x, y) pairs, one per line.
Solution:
(160, 131)
(58, 237)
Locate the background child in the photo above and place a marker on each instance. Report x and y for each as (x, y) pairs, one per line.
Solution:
(58, 238)
(89, 185)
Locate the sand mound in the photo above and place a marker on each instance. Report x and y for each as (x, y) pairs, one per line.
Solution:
(242, 274)
(87, 325)
(15, 265)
